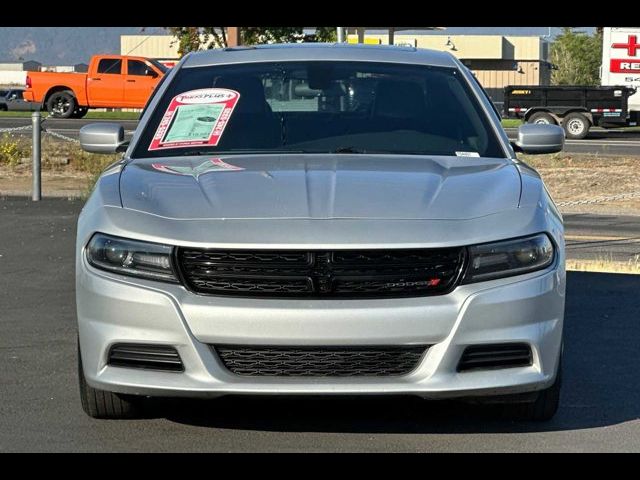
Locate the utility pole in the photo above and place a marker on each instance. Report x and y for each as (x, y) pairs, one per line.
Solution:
(340, 34)
(233, 37)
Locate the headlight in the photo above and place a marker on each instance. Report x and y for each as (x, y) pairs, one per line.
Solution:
(508, 258)
(131, 257)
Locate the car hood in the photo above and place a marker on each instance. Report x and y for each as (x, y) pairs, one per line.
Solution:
(317, 186)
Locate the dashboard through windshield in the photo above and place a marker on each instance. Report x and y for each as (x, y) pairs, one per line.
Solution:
(318, 107)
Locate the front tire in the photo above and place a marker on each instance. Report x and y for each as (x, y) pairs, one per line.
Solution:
(61, 104)
(576, 126)
(102, 404)
(542, 409)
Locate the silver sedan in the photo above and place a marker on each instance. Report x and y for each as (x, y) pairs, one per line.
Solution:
(320, 219)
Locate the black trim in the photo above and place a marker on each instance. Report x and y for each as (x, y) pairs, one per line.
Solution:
(145, 356)
(320, 361)
(495, 356)
(312, 271)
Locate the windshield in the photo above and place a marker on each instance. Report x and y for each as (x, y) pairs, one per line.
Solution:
(158, 65)
(318, 107)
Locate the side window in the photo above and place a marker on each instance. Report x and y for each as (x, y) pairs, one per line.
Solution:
(136, 67)
(110, 65)
(18, 94)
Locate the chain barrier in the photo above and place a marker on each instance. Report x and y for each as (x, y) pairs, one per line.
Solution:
(573, 203)
(15, 129)
(44, 130)
(603, 199)
(60, 136)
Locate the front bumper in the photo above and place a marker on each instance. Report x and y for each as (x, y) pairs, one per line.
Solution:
(114, 309)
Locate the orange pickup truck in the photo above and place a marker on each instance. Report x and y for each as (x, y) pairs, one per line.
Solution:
(112, 81)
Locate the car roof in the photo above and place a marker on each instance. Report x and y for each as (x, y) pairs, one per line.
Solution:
(319, 51)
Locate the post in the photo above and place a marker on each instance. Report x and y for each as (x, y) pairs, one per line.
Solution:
(392, 32)
(233, 37)
(340, 34)
(36, 156)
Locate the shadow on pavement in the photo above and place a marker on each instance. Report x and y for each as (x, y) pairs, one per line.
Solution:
(601, 383)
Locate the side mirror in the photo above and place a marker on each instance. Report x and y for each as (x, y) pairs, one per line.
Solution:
(102, 138)
(535, 138)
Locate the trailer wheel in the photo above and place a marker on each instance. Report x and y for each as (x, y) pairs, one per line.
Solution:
(61, 104)
(543, 118)
(576, 126)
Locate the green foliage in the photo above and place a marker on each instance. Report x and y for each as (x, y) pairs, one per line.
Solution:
(577, 58)
(11, 150)
(326, 34)
(190, 39)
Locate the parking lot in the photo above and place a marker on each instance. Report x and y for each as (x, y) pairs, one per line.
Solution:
(40, 408)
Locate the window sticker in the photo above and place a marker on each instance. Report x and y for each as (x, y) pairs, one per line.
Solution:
(467, 154)
(211, 165)
(196, 117)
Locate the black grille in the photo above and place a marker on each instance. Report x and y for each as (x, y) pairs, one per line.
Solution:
(505, 355)
(152, 357)
(319, 361)
(321, 274)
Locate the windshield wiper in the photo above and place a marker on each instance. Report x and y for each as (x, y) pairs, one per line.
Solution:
(349, 150)
(196, 153)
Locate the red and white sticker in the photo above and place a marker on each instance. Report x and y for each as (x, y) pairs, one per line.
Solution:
(210, 165)
(196, 117)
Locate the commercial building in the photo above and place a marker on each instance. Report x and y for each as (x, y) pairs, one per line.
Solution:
(163, 48)
(497, 61)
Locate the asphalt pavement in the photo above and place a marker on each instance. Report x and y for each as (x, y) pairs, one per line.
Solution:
(603, 142)
(40, 408)
(602, 237)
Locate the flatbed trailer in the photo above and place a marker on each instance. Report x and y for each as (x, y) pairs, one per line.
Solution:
(575, 108)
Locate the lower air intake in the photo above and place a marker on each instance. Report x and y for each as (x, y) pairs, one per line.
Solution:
(504, 355)
(255, 361)
(150, 357)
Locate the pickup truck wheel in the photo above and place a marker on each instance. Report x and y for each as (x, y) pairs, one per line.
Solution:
(102, 404)
(576, 126)
(80, 112)
(61, 104)
(543, 118)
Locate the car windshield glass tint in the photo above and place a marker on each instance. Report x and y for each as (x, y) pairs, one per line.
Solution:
(110, 65)
(158, 65)
(318, 107)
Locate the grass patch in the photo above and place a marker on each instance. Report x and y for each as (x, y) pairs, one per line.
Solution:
(511, 123)
(64, 164)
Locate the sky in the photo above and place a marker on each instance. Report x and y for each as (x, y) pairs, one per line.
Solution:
(71, 45)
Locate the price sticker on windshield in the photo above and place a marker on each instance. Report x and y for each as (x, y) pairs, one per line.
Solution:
(195, 118)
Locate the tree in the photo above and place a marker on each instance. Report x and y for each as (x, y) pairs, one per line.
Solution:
(576, 58)
(196, 38)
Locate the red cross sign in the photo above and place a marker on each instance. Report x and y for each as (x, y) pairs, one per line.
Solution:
(631, 46)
